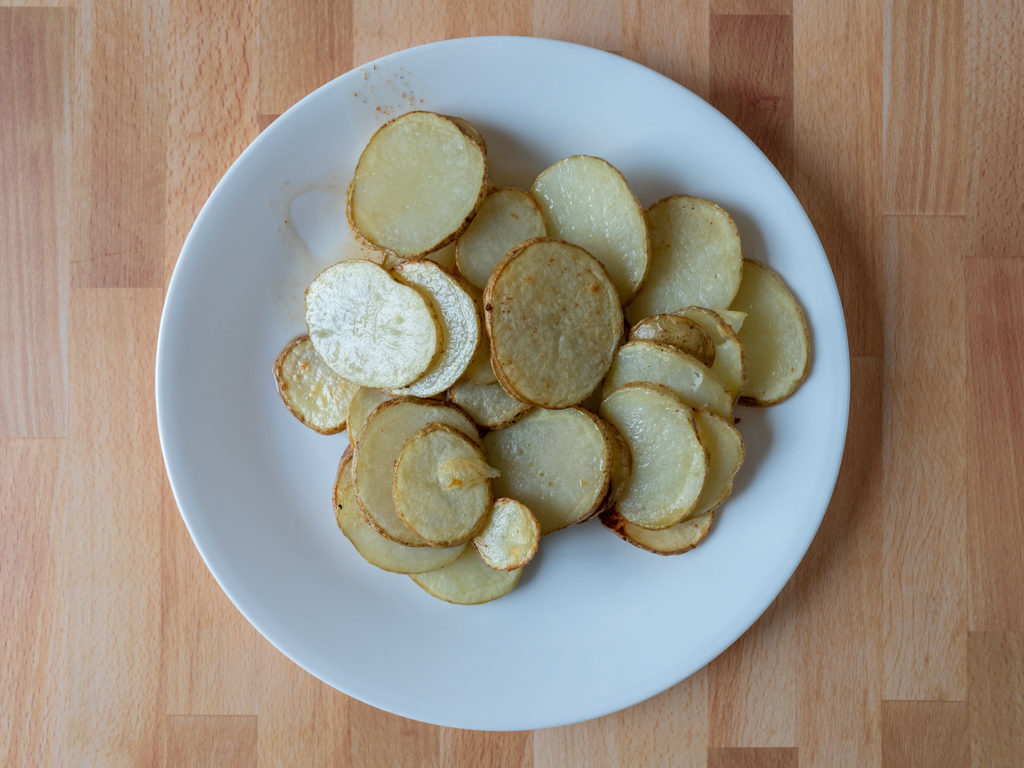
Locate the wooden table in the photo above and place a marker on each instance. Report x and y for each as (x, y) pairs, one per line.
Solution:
(899, 642)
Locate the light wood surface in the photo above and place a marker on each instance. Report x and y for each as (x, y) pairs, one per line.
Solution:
(899, 642)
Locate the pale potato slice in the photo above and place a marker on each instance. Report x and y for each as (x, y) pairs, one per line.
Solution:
(311, 390)
(377, 449)
(556, 462)
(362, 405)
(506, 218)
(695, 258)
(467, 581)
(368, 327)
(554, 321)
(674, 540)
(460, 325)
(733, 318)
(417, 184)
(729, 364)
(509, 540)
(443, 257)
(586, 201)
(480, 371)
(725, 450)
(621, 462)
(679, 332)
(669, 462)
(440, 507)
(774, 337)
(376, 549)
(656, 363)
(487, 404)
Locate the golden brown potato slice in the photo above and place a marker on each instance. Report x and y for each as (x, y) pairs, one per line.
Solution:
(554, 321)
(729, 364)
(362, 405)
(376, 549)
(468, 581)
(460, 325)
(438, 505)
(669, 462)
(725, 450)
(509, 540)
(674, 540)
(506, 218)
(312, 391)
(679, 332)
(417, 184)
(368, 327)
(774, 335)
(556, 462)
(586, 201)
(377, 450)
(695, 258)
(487, 404)
(661, 364)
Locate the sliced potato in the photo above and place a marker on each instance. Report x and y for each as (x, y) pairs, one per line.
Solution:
(487, 404)
(376, 549)
(661, 364)
(674, 540)
(733, 318)
(377, 450)
(443, 257)
(506, 218)
(311, 390)
(556, 462)
(621, 464)
(774, 337)
(554, 321)
(679, 332)
(480, 371)
(467, 581)
(368, 327)
(460, 325)
(695, 258)
(417, 184)
(437, 506)
(509, 540)
(669, 462)
(362, 405)
(729, 364)
(725, 450)
(586, 201)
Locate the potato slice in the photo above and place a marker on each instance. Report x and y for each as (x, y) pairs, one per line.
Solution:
(729, 364)
(467, 581)
(311, 390)
(554, 321)
(362, 405)
(441, 507)
(733, 318)
(375, 549)
(377, 450)
(774, 337)
(480, 371)
(506, 218)
(674, 540)
(556, 462)
(417, 185)
(725, 450)
(661, 364)
(695, 258)
(669, 462)
(460, 325)
(443, 257)
(679, 332)
(621, 462)
(586, 201)
(368, 327)
(509, 540)
(487, 404)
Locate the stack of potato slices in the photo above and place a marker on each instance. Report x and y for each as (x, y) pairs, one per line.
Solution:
(520, 361)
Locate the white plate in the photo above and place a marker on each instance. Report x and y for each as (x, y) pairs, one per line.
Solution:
(595, 624)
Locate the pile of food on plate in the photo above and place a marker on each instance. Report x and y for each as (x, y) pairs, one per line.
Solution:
(511, 362)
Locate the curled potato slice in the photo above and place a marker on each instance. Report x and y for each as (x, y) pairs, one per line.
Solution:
(509, 540)
(774, 337)
(417, 184)
(467, 581)
(368, 327)
(725, 450)
(312, 391)
(506, 218)
(729, 364)
(362, 405)
(674, 540)
(487, 404)
(679, 332)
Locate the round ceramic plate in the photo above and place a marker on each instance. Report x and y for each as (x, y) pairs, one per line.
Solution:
(254, 485)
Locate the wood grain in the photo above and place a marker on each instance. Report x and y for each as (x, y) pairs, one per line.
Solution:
(899, 640)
